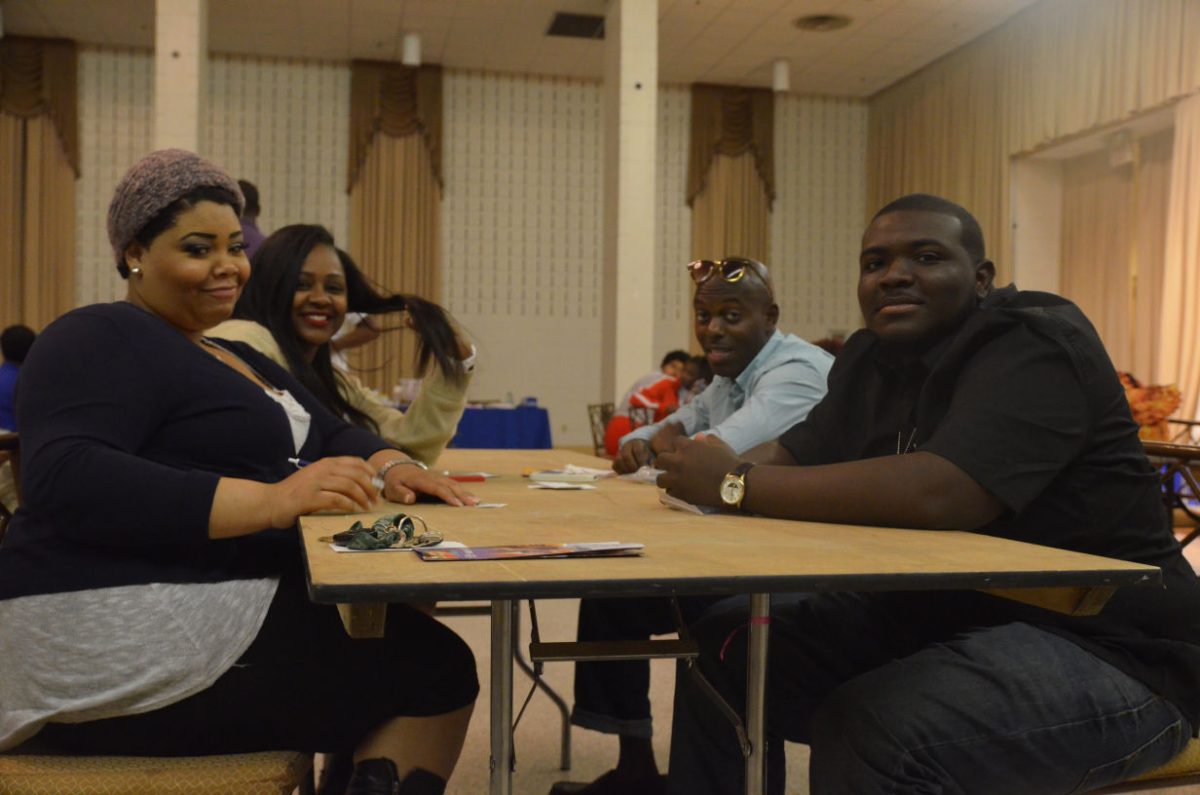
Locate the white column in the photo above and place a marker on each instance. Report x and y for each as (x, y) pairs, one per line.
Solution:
(180, 67)
(630, 120)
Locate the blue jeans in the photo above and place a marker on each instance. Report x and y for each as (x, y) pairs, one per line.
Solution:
(894, 694)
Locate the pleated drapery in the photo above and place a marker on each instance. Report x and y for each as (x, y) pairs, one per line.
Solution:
(39, 159)
(731, 171)
(1059, 69)
(732, 215)
(395, 200)
(730, 121)
(1179, 334)
(1113, 237)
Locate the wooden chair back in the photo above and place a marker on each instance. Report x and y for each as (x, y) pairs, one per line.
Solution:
(599, 415)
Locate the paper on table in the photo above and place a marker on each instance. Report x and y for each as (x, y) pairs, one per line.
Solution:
(559, 485)
(643, 474)
(683, 505)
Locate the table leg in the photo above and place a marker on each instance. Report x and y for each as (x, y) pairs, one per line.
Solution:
(501, 706)
(756, 687)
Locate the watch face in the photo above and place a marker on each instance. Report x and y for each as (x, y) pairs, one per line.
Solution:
(732, 489)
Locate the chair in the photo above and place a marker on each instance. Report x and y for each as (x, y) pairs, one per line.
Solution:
(599, 415)
(1179, 485)
(1183, 770)
(29, 771)
(267, 773)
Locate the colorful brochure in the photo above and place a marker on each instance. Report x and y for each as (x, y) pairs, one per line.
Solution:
(514, 551)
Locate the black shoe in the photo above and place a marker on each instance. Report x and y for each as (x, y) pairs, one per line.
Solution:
(374, 777)
(614, 783)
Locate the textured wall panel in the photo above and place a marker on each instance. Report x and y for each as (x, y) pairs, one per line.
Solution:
(116, 127)
(673, 320)
(282, 124)
(523, 237)
(820, 207)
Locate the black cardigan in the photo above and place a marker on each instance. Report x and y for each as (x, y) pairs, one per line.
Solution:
(126, 427)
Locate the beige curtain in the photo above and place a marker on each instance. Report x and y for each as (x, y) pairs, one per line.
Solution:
(1059, 68)
(1096, 232)
(38, 167)
(731, 215)
(1179, 342)
(395, 200)
(1113, 233)
(1150, 245)
(730, 121)
(731, 171)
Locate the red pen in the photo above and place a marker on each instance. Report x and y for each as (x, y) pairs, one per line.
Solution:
(468, 478)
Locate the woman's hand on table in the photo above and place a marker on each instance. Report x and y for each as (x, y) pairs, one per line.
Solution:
(342, 483)
(693, 471)
(402, 483)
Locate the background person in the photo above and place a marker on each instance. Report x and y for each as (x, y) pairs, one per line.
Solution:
(700, 374)
(622, 422)
(960, 407)
(152, 596)
(357, 330)
(251, 236)
(302, 288)
(764, 382)
(15, 342)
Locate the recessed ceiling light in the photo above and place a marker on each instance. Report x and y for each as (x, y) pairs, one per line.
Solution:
(822, 23)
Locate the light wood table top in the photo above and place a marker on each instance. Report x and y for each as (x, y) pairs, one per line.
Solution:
(684, 553)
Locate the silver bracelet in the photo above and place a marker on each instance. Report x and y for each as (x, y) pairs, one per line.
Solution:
(395, 462)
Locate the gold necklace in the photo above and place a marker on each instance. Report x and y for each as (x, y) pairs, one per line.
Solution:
(908, 446)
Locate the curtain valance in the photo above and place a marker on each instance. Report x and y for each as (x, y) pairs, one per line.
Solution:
(398, 101)
(38, 76)
(730, 120)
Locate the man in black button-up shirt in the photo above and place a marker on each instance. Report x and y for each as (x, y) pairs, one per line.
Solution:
(959, 407)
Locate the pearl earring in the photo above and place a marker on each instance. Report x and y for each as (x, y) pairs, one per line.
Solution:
(136, 271)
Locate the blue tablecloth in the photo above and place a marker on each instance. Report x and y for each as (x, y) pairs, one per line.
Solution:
(526, 427)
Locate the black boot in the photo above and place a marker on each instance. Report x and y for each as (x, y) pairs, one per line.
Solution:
(374, 777)
(422, 782)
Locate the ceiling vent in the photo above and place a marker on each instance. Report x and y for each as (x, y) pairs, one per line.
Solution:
(822, 23)
(577, 26)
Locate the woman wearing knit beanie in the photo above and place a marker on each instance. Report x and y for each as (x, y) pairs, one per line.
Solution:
(152, 600)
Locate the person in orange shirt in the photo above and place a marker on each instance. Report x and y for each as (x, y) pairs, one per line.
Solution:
(648, 392)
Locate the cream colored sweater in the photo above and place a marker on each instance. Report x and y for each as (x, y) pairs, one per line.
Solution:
(423, 431)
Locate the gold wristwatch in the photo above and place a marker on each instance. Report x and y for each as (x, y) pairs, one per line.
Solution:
(733, 487)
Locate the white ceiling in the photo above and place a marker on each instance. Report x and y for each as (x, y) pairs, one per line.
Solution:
(716, 41)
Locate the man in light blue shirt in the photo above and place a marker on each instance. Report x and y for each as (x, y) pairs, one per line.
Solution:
(763, 383)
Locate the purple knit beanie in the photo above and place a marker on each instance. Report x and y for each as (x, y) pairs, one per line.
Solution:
(154, 182)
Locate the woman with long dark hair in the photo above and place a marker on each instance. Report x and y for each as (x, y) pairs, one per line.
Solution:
(302, 288)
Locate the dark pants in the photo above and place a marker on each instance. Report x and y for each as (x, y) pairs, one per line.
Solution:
(893, 697)
(303, 685)
(614, 697)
